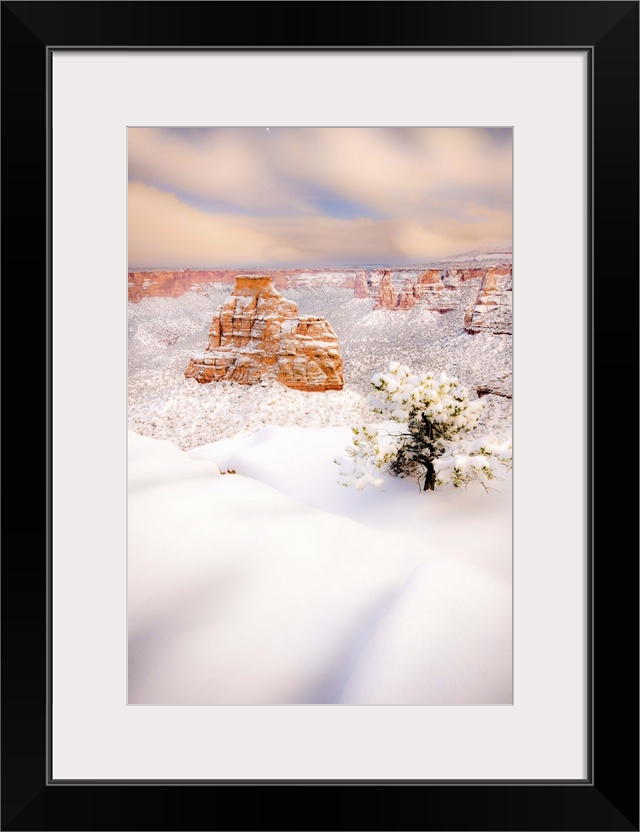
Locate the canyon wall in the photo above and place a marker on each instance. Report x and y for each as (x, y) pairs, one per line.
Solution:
(493, 309)
(171, 284)
(436, 289)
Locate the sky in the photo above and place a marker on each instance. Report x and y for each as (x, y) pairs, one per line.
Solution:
(315, 196)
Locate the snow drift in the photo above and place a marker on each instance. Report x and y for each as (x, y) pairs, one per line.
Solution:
(273, 585)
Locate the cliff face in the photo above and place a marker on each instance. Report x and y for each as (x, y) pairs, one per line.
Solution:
(430, 290)
(386, 297)
(427, 288)
(436, 289)
(360, 287)
(492, 311)
(172, 284)
(460, 275)
(258, 334)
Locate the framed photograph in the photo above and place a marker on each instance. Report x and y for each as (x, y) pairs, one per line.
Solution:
(342, 316)
(321, 235)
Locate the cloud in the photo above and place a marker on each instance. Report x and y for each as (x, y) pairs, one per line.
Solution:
(304, 196)
(163, 231)
(224, 166)
(405, 180)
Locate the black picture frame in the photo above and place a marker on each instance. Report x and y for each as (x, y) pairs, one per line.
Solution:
(608, 798)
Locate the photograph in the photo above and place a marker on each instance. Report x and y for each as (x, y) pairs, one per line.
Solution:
(319, 415)
(324, 542)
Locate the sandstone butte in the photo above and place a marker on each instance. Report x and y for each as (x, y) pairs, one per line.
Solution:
(257, 334)
(492, 311)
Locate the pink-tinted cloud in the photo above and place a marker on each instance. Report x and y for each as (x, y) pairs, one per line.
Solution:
(305, 196)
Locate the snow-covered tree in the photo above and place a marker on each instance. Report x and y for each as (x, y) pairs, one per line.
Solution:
(427, 434)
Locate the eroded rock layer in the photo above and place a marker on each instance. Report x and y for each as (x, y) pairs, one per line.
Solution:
(171, 284)
(430, 290)
(258, 334)
(493, 309)
(386, 297)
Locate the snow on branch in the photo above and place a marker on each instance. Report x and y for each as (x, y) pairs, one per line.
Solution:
(427, 433)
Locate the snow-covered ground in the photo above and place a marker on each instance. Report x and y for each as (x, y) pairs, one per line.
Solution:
(165, 332)
(254, 578)
(273, 585)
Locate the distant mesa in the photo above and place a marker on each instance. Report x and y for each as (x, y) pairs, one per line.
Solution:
(487, 253)
(167, 283)
(171, 283)
(257, 334)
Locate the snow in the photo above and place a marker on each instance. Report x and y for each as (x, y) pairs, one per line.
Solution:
(165, 332)
(255, 578)
(497, 254)
(273, 585)
(152, 461)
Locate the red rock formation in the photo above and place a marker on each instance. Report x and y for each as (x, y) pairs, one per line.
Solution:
(453, 277)
(418, 287)
(172, 284)
(257, 334)
(360, 288)
(429, 289)
(387, 298)
(492, 311)
(430, 277)
(406, 295)
(168, 283)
